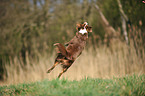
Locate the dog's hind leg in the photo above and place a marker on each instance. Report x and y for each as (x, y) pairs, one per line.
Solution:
(49, 70)
(64, 70)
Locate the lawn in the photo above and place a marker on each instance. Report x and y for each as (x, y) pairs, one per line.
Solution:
(133, 85)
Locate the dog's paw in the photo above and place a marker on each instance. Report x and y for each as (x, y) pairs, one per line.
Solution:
(55, 44)
(48, 71)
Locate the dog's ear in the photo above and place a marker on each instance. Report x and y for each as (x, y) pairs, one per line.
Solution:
(78, 27)
(89, 28)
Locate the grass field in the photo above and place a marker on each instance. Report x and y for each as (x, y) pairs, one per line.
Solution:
(125, 86)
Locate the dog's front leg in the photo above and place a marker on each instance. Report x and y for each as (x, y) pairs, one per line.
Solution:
(49, 70)
(61, 49)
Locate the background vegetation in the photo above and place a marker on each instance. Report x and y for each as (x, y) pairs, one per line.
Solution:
(29, 28)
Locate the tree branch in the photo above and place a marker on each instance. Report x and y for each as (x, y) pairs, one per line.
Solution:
(121, 10)
(104, 19)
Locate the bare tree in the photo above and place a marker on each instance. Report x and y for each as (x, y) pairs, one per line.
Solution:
(124, 20)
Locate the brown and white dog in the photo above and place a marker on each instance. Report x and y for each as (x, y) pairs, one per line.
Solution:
(67, 55)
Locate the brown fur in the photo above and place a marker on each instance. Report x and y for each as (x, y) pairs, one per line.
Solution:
(67, 55)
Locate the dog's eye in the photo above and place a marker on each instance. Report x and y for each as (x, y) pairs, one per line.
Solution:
(79, 28)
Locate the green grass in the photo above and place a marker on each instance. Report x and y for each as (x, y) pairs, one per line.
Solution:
(129, 85)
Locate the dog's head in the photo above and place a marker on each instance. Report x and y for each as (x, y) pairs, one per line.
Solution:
(84, 28)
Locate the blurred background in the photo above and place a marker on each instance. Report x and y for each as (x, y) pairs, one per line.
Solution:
(29, 28)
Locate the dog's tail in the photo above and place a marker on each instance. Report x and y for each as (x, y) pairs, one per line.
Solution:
(61, 49)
